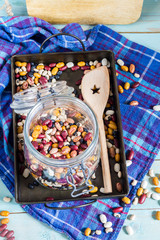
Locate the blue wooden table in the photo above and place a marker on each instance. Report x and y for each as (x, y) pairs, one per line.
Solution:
(145, 31)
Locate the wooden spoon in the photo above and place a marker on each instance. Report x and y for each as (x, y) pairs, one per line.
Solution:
(95, 91)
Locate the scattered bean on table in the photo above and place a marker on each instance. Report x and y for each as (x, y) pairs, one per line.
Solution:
(87, 232)
(158, 215)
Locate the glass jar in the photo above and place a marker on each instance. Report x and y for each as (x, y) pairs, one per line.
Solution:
(63, 174)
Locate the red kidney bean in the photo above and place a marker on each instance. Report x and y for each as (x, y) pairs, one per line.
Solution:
(3, 226)
(84, 146)
(110, 100)
(63, 68)
(64, 134)
(50, 143)
(43, 80)
(50, 124)
(130, 155)
(80, 97)
(87, 136)
(17, 75)
(45, 122)
(60, 144)
(40, 146)
(35, 144)
(3, 233)
(135, 85)
(85, 195)
(78, 82)
(116, 142)
(39, 173)
(21, 170)
(118, 209)
(9, 234)
(52, 65)
(44, 141)
(85, 68)
(23, 117)
(74, 147)
(142, 198)
(59, 138)
(43, 152)
(49, 199)
(41, 136)
(28, 67)
(47, 68)
(63, 157)
(113, 117)
(106, 122)
(74, 68)
(21, 157)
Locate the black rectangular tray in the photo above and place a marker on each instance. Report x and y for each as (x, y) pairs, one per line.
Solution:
(23, 194)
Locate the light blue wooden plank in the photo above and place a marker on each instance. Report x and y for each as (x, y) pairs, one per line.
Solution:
(145, 227)
(28, 228)
(148, 22)
(25, 226)
(12, 206)
(149, 40)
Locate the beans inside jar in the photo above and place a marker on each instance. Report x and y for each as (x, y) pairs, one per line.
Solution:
(60, 133)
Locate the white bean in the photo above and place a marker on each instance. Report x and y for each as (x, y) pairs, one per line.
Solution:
(70, 64)
(117, 167)
(108, 230)
(132, 217)
(7, 199)
(155, 196)
(135, 201)
(129, 230)
(134, 182)
(156, 108)
(98, 232)
(104, 61)
(108, 224)
(103, 218)
(137, 75)
(144, 184)
(120, 62)
(128, 163)
(151, 173)
(26, 173)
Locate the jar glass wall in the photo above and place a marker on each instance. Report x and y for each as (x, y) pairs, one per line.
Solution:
(62, 173)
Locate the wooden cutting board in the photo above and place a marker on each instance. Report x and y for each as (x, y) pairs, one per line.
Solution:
(86, 11)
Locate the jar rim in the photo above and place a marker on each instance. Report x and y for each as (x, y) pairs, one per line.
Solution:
(61, 162)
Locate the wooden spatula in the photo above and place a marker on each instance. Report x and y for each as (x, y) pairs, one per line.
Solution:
(95, 91)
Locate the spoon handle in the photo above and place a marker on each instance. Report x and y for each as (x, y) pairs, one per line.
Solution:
(104, 159)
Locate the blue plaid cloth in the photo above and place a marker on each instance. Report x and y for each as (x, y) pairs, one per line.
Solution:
(141, 125)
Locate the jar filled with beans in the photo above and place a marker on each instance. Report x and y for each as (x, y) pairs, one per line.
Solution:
(61, 142)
